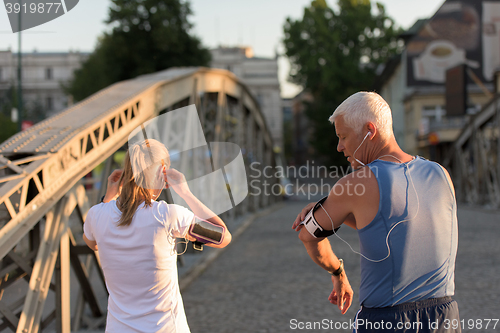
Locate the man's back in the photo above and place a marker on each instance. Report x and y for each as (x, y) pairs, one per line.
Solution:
(417, 219)
(406, 220)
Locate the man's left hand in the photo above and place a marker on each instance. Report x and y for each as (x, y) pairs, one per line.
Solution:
(342, 293)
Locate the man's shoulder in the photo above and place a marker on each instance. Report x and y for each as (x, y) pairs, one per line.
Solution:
(359, 176)
(433, 165)
(359, 185)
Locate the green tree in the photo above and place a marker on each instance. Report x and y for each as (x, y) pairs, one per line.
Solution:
(7, 128)
(147, 36)
(8, 100)
(335, 53)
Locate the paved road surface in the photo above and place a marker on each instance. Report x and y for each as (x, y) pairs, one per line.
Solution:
(265, 281)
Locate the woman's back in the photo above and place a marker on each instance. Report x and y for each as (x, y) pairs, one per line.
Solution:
(139, 264)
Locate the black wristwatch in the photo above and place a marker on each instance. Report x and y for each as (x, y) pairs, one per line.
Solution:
(339, 270)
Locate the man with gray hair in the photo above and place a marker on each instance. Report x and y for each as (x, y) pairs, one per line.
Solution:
(405, 213)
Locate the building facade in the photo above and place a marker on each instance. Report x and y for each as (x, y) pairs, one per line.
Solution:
(45, 74)
(260, 75)
(414, 83)
(302, 150)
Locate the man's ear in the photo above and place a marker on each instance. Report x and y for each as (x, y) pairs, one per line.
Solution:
(372, 129)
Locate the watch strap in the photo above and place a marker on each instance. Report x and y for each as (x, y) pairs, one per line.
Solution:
(339, 270)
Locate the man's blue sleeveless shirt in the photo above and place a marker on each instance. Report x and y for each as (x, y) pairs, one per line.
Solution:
(421, 263)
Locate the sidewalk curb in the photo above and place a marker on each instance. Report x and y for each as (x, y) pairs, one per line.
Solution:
(186, 279)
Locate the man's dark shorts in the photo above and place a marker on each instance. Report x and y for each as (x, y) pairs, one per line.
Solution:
(436, 315)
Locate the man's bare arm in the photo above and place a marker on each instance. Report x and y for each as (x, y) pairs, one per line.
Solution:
(333, 212)
(321, 253)
(350, 221)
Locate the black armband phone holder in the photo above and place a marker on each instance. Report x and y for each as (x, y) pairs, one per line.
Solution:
(313, 227)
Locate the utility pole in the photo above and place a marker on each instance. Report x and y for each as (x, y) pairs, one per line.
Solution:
(19, 77)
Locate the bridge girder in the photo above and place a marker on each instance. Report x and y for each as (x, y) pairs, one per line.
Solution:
(474, 158)
(41, 169)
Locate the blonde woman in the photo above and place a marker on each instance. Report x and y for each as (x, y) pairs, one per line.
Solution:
(135, 235)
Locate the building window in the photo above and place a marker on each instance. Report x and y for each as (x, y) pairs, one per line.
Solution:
(260, 99)
(48, 74)
(49, 103)
(434, 112)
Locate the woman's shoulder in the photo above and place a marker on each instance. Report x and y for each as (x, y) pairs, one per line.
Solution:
(104, 208)
(170, 210)
(161, 204)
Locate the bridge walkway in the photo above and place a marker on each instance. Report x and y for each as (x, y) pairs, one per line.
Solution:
(265, 281)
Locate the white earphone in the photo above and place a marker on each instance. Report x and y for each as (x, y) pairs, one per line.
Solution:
(358, 148)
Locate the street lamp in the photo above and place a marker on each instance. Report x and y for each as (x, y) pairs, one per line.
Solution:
(19, 77)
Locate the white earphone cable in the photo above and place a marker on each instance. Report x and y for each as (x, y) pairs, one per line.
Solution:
(387, 238)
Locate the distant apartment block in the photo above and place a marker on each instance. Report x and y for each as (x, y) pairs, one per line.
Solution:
(42, 77)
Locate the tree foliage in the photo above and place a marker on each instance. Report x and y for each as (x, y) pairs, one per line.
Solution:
(147, 36)
(8, 100)
(32, 110)
(335, 53)
(7, 128)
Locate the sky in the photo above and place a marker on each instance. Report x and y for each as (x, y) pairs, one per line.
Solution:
(256, 23)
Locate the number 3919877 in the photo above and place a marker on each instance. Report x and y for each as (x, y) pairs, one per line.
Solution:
(41, 7)
(471, 324)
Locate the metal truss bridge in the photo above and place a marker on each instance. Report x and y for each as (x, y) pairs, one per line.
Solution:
(474, 158)
(41, 187)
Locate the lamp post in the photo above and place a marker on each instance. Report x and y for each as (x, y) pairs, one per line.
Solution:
(19, 77)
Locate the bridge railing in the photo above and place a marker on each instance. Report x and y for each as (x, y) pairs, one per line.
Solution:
(474, 158)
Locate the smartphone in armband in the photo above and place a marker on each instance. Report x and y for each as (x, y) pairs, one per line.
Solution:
(205, 232)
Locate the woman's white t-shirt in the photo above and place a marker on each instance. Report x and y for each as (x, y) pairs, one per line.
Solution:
(139, 262)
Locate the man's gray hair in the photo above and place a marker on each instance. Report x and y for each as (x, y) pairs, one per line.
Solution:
(363, 107)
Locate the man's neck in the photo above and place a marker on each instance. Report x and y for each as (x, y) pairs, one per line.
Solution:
(390, 151)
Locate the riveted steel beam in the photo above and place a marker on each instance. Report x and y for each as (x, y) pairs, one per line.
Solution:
(40, 169)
